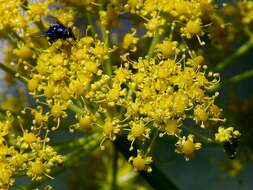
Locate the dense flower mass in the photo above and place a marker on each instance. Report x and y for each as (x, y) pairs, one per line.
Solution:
(112, 83)
(25, 154)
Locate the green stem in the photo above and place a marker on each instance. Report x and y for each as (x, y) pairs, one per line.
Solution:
(75, 108)
(107, 64)
(152, 45)
(89, 19)
(114, 168)
(105, 37)
(247, 31)
(238, 53)
(83, 142)
(12, 72)
(86, 15)
(202, 137)
(151, 146)
(234, 79)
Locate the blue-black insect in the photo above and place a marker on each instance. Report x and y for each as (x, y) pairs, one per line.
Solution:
(56, 30)
(230, 148)
(59, 31)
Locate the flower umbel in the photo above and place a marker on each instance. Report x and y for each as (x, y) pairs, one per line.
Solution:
(136, 69)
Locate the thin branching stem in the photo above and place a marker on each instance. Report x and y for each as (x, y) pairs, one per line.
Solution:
(152, 143)
(235, 79)
(154, 41)
(238, 53)
(12, 72)
(114, 168)
(197, 134)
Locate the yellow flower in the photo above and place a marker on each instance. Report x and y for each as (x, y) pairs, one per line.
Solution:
(57, 110)
(226, 134)
(200, 115)
(129, 42)
(138, 131)
(114, 94)
(141, 162)
(167, 48)
(154, 26)
(65, 15)
(33, 84)
(193, 28)
(171, 127)
(110, 131)
(24, 52)
(187, 147)
(39, 117)
(85, 123)
(36, 170)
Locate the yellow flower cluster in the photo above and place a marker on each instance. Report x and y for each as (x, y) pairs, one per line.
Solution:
(246, 11)
(11, 17)
(175, 87)
(186, 13)
(113, 90)
(17, 15)
(38, 9)
(25, 153)
(64, 72)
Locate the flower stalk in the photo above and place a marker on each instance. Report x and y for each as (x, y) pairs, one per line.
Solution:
(238, 53)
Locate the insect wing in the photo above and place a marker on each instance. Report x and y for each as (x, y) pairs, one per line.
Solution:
(230, 148)
(52, 20)
(37, 35)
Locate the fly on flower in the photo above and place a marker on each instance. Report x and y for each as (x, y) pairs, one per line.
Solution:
(57, 30)
(230, 148)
